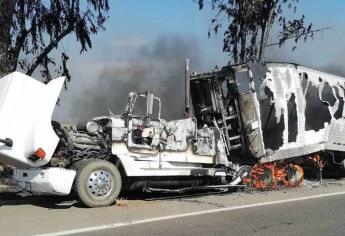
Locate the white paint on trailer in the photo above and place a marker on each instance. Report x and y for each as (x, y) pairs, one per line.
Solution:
(283, 80)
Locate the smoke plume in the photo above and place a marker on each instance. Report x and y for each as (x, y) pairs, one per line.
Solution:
(157, 67)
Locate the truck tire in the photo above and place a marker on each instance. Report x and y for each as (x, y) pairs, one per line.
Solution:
(98, 183)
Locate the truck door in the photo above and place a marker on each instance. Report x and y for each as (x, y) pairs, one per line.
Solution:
(143, 125)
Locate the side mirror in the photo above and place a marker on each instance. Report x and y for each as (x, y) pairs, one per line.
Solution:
(7, 141)
(149, 103)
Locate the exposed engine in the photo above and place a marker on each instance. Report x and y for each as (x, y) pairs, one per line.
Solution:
(85, 141)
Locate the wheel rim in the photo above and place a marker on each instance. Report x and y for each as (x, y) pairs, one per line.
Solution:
(100, 183)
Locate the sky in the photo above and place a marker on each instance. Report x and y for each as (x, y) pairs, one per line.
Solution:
(146, 41)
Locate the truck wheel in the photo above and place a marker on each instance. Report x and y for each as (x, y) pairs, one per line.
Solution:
(98, 183)
(267, 178)
(294, 175)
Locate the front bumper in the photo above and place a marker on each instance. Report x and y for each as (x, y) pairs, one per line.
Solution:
(55, 181)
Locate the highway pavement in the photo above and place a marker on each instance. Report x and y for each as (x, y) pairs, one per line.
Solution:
(313, 209)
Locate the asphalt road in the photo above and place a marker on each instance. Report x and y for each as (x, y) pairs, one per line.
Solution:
(310, 210)
(323, 216)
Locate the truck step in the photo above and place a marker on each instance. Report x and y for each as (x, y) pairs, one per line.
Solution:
(231, 117)
(182, 190)
(235, 137)
(235, 146)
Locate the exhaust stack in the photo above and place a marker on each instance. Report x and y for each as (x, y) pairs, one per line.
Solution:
(187, 90)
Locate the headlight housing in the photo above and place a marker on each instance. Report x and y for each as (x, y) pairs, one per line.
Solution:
(92, 127)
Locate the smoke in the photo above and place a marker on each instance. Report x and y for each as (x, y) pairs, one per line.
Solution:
(157, 67)
(334, 69)
(333, 66)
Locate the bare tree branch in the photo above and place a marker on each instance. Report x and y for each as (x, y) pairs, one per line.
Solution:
(249, 25)
(299, 35)
(34, 28)
(48, 49)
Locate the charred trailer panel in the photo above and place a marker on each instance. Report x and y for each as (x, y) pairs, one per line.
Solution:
(273, 111)
(301, 110)
(251, 123)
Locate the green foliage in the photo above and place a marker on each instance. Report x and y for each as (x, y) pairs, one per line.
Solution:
(39, 26)
(249, 22)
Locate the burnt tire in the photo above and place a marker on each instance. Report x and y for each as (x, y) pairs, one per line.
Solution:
(267, 179)
(294, 176)
(98, 183)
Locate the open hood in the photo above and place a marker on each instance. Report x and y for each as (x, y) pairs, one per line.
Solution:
(26, 107)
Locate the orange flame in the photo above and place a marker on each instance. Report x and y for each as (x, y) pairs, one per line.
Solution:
(317, 160)
(272, 176)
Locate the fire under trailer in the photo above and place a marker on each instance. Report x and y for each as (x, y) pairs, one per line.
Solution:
(253, 124)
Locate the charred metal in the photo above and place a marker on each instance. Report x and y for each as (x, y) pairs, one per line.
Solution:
(250, 123)
(239, 115)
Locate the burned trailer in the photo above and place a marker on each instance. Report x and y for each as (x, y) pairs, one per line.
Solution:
(271, 111)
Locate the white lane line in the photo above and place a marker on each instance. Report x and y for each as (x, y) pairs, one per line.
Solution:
(135, 222)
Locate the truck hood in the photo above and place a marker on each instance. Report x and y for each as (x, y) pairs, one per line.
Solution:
(26, 107)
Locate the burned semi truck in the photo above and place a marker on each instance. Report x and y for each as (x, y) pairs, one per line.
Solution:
(244, 124)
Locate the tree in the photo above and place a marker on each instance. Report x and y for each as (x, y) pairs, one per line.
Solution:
(249, 24)
(32, 29)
